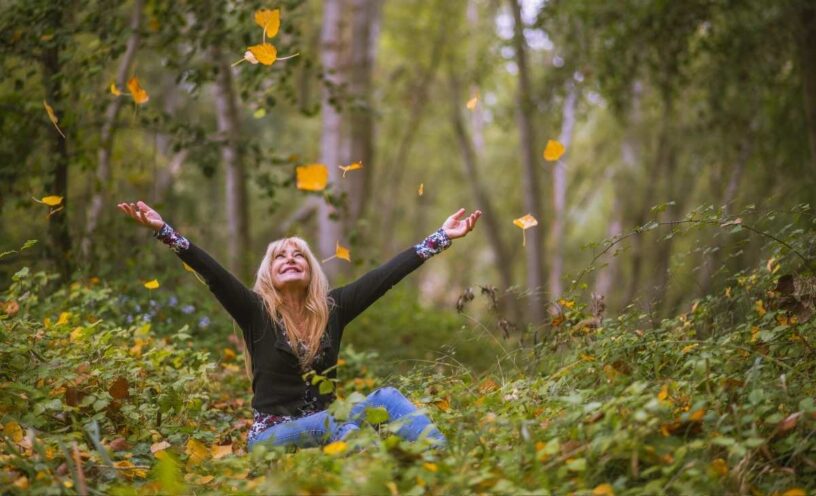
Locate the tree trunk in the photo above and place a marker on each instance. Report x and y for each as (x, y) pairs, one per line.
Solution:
(229, 131)
(331, 139)
(532, 191)
(560, 193)
(807, 53)
(482, 200)
(60, 249)
(103, 167)
(365, 24)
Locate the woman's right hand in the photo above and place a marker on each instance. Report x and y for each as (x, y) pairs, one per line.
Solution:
(143, 214)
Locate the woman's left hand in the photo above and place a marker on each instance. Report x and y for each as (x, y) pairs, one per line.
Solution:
(456, 227)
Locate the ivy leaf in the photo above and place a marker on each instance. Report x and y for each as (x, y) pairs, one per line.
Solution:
(312, 177)
(53, 117)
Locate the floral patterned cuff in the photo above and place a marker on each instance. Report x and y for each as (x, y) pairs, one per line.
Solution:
(433, 244)
(170, 237)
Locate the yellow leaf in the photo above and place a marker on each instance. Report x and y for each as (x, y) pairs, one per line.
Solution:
(759, 306)
(152, 284)
(664, 393)
(611, 372)
(350, 167)
(51, 201)
(196, 451)
(114, 90)
(265, 53)
(335, 448)
(219, 451)
(63, 318)
(796, 491)
(526, 222)
(688, 348)
(129, 470)
(421, 190)
(269, 20)
(566, 303)
(53, 117)
(21, 483)
(76, 334)
(471, 104)
(442, 404)
(697, 415)
(604, 489)
(430, 467)
(587, 358)
(229, 354)
(720, 467)
(342, 252)
(312, 177)
(13, 431)
(553, 151)
(138, 93)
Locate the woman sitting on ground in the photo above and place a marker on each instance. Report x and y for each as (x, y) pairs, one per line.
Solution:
(292, 324)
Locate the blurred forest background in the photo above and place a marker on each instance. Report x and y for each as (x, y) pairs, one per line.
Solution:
(700, 111)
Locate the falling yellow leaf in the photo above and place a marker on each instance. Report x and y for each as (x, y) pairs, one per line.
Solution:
(53, 117)
(604, 489)
(265, 53)
(196, 451)
(51, 201)
(553, 150)
(525, 223)
(114, 90)
(138, 93)
(471, 104)
(219, 451)
(312, 177)
(350, 167)
(342, 252)
(13, 431)
(269, 20)
(335, 448)
(421, 190)
(152, 284)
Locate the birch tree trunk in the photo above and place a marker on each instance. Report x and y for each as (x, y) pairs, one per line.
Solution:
(559, 173)
(331, 138)
(229, 130)
(365, 28)
(106, 134)
(532, 191)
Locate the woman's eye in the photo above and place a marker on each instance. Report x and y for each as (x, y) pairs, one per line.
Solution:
(279, 255)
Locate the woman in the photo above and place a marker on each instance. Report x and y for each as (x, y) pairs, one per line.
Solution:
(292, 325)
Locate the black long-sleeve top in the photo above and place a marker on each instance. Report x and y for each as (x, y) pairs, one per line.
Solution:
(278, 381)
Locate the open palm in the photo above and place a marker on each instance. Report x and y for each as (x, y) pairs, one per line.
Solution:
(142, 213)
(457, 225)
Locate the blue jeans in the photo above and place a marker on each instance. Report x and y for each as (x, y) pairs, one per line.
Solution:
(321, 428)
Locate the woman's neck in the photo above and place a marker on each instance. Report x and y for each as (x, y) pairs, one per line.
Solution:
(293, 303)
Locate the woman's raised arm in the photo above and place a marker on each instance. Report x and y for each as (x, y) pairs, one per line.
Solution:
(353, 298)
(241, 302)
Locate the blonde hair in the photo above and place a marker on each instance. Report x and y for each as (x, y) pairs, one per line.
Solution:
(305, 336)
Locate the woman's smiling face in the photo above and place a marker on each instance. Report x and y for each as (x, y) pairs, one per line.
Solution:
(290, 268)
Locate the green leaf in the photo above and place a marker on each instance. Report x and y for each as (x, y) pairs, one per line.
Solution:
(376, 415)
(326, 387)
(577, 465)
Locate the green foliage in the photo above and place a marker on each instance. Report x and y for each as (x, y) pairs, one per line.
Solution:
(716, 399)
